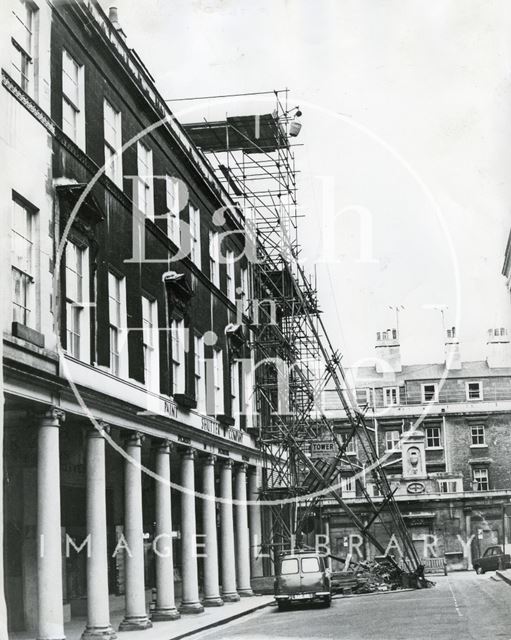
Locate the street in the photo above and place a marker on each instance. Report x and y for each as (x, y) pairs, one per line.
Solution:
(461, 605)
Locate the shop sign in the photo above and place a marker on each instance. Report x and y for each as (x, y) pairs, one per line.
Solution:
(323, 449)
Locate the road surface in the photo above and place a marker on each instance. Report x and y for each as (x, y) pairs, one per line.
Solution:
(461, 605)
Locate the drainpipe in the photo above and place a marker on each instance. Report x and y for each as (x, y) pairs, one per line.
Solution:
(448, 462)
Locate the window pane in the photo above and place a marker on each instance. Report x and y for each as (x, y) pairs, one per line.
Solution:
(289, 566)
(114, 300)
(429, 393)
(21, 284)
(310, 565)
(474, 390)
(73, 320)
(172, 203)
(111, 160)
(433, 437)
(69, 116)
(23, 25)
(70, 71)
(110, 124)
(114, 350)
(195, 255)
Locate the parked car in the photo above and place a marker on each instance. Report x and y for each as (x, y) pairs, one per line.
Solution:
(302, 577)
(493, 558)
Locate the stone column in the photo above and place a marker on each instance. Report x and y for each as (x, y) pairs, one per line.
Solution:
(135, 616)
(50, 617)
(255, 526)
(190, 602)
(211, 589)
(165, 605)
(98, 613)
(242, 534)
(229, 593)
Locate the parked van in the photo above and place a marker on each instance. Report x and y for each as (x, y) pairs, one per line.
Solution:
(302, 577)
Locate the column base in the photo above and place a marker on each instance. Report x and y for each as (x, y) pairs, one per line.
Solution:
(135, 623)
(231, 597)
(158, 615)
(245, 593)
(98, 633)
(213, 602)
(191, 607)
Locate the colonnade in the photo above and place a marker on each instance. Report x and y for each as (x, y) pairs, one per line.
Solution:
(226, 574)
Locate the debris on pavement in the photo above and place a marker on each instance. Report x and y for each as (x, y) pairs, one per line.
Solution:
(370, 576)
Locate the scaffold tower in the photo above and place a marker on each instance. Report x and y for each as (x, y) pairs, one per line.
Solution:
(254, 156)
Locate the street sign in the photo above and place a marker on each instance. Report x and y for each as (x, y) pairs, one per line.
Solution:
(323, 449)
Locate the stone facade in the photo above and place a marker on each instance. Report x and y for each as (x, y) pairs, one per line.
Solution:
(127, 409)
(443, 434)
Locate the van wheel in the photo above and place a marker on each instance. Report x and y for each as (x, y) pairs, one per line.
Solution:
(479, 571)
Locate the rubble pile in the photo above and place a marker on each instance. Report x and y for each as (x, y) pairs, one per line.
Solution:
(368, 577)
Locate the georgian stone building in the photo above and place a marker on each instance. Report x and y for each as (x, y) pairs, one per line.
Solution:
(127, 400)
(443, 434)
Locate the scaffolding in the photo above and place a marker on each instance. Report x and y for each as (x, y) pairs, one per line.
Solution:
(254, 157)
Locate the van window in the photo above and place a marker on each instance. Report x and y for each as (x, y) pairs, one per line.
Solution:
(288, 566)
(310, 565)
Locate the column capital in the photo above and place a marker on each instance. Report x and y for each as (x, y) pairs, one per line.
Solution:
(51, 417)
(241, 466)
(98, 429)
(134, 438)
(163, 446)
(189, 453)
(227, 463)
(208, 459)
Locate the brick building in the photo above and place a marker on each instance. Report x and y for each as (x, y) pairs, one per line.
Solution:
(443, 434)
(123, 329)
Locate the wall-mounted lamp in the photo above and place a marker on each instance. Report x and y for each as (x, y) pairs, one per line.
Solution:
(294, 125)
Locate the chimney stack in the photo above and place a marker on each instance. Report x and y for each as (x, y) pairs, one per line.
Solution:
(498, 348)
(388, 352)
(452, 351)
(113, 16)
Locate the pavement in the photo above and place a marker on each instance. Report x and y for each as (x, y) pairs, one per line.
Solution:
(461, 606)
(172, 630)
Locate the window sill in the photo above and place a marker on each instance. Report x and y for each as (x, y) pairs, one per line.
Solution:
(478, 446)
(26, 333)
(184, 400)
(434, 448)
(226, 420)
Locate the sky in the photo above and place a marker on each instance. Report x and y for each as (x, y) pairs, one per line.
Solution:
(405, 181)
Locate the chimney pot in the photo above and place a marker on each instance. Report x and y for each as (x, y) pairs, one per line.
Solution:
(498, 348)
(452, 351)
(388, 352)
(113, 15)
